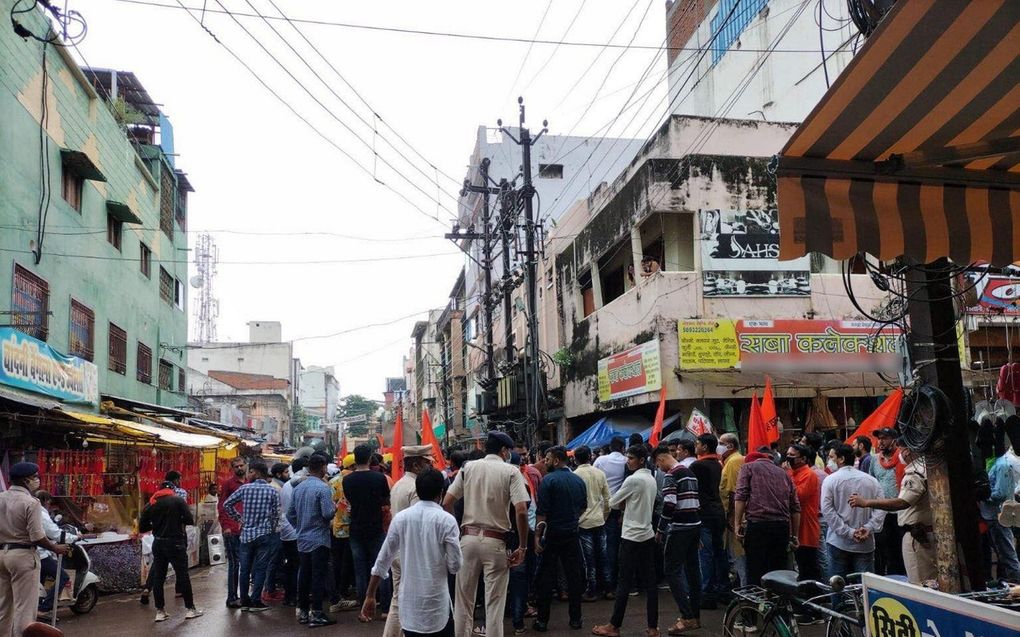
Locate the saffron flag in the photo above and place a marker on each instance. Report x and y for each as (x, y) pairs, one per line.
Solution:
(343, 450)
(428, 437)
(660, 415)
(382, 445)
(397, 465)
(768, 413)
(884, 416)
(757, 433)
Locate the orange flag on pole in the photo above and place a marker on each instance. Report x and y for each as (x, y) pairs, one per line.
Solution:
(884, 416)
(397, 464)
(757, 433)
(382, 445)
(428, 437)
(768, 413)
(343, 450)
(660, 415)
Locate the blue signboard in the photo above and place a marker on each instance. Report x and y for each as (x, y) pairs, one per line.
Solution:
(897, 609)
(30, 364)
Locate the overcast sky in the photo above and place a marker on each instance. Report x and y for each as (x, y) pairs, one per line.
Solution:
(257, 168)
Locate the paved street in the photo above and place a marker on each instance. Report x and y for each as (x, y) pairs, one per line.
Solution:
(118, 615)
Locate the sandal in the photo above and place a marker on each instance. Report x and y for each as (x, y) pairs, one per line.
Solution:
(479, 630)
(606, 630)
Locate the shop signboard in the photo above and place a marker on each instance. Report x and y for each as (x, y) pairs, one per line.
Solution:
(631, 372)
(994, 294)
(30, 364)
(898, 609)
(740, 256)
(796, 345)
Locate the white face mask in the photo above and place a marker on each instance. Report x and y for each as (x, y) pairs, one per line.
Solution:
(831, 465)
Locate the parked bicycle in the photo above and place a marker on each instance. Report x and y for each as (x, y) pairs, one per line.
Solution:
(771, 610)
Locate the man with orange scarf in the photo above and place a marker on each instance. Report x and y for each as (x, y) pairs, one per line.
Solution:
(167, 516)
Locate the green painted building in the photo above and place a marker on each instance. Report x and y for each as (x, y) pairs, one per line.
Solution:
(93, 250)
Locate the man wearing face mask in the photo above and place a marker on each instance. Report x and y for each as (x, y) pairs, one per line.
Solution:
(809, 493)
(850, 540)
(232, 530)
(888, 469)
(21, 531)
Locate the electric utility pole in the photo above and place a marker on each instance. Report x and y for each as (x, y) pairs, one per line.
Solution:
(506, 224)
(527, 192)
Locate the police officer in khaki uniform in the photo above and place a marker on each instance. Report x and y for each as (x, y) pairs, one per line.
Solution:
(914, 517)
(417, 458)
(489, 486)
(21, 531)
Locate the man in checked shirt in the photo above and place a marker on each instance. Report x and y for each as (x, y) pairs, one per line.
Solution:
(260, 538)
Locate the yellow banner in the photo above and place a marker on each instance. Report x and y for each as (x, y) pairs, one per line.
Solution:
(708, 344)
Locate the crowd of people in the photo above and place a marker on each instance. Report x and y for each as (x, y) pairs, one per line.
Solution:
(512, 529)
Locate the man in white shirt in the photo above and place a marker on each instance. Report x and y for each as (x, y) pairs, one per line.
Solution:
(427, 540)
(47, 559)
(850, 540)
(614, 466)
(638, 554)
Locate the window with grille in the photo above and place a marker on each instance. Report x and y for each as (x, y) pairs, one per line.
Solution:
(178, 294)
(118, 350)
(166, 375)
(166, 285)
(167, 189)
(71, 187)
(181, 209)
(144, 371)
(145, 259)
(30, 304)
(181, 380)
(114, 231)
(730, 22)
(83, 328)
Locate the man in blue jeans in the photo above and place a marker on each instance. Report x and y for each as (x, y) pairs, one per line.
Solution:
(367, 492)
(614, 465)
(260, 539)
(311, 514)
(592, 526)
(231, 529)
(850, 539)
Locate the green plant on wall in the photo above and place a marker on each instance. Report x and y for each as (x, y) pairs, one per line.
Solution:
(563, 357)
(124, 113)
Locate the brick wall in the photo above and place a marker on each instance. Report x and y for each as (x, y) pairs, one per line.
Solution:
(682, 20)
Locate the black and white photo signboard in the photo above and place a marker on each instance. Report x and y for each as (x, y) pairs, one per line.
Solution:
(739, 256)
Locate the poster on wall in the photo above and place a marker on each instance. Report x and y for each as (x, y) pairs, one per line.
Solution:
(631, 372)
(740, 256)
(30, 364)
(797, 345)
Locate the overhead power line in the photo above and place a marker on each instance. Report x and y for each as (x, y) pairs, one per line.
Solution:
(89, 230)
(448, 34)
(100, 257)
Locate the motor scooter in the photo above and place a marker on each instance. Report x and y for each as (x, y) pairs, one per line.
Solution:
(81, 592)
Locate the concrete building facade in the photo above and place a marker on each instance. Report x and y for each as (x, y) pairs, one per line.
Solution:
(319, 393)
(93, 212)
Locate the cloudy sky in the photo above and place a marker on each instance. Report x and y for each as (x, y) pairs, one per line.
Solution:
(337, 250)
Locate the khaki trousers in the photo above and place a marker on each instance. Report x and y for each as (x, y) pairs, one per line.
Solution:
(19, 590)
(392, 627)
(484, 556)
(918, 559)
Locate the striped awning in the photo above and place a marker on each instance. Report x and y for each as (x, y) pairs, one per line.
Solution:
(915, 150)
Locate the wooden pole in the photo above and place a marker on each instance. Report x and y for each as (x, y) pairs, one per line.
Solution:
(935, 358)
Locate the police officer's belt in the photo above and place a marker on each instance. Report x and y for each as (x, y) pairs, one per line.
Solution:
(17, 546)
(477, 530)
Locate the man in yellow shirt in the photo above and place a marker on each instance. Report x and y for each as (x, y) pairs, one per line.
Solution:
(343, 562)
(592, 526)
(732, 460)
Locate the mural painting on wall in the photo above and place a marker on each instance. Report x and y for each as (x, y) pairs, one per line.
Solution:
(740, 256)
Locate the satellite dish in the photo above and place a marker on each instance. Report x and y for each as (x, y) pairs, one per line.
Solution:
(196, 281)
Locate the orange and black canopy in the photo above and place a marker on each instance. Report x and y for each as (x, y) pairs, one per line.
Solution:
(915, 150)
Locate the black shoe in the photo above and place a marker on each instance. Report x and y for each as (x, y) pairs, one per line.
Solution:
(302, 617)
(540, 626)
(256, 607)
(575, 624)
(144, 599)
(233, 603)
(319, 618)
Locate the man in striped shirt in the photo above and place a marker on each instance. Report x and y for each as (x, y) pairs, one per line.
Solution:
(679, 532)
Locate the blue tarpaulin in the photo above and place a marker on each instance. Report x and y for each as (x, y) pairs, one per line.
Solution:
(605, 429)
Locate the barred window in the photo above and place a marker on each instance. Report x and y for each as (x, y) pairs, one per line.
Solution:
(145, 259)
(167, 191)
(118, 350)
(83, 328)
(30, 304)
(114, 231)
(144, 371)
(166, 375)
(181, 380)
(166, 285)
(730, 21)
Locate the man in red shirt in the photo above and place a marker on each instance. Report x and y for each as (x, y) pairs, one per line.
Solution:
(809, 494)
(232, 530)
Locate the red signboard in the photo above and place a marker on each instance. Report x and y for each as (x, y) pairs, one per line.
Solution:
(823, 346)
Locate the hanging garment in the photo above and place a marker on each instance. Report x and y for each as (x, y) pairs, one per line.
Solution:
(1009, 383)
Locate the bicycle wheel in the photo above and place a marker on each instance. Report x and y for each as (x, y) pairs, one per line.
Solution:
(836, 627)
(744, 619)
